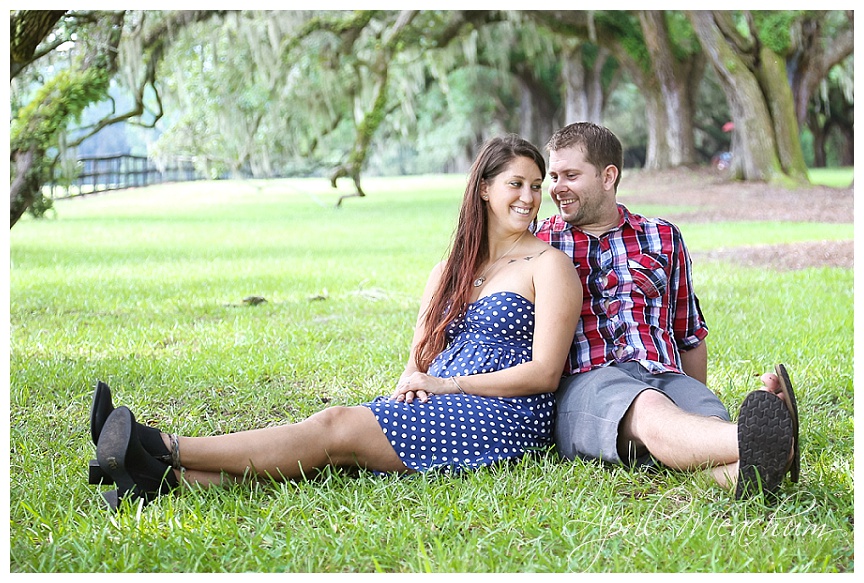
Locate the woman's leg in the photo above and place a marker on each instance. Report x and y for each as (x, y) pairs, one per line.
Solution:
(338, 436)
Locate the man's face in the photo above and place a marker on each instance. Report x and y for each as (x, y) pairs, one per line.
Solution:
(584, 194)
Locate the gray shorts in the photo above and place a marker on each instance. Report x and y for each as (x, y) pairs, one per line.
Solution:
(590, 406)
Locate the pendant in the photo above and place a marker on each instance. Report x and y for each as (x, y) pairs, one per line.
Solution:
(479, 281)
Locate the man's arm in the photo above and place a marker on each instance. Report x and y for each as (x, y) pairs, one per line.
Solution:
(688, 326)
(695, 362)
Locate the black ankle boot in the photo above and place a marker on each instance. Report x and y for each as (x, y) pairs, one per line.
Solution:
(102, 407)
(120, 453)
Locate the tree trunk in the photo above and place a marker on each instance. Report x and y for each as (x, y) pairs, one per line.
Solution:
(771, 74)
(584, 95)
(575, 96)
(818, 51)
(847, 150)
(536, 108)
(818, 131)
(670, 127)
(657, 152)
(675, 79)
(25, 185)
(758, 153)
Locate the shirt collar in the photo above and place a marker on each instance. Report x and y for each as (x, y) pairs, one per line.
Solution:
(635, 221)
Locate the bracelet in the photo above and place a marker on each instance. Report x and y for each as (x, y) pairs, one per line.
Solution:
(457, 385)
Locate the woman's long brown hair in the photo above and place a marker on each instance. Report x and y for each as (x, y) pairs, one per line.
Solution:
(470, 248)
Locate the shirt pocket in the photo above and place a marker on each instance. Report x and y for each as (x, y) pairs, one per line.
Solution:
(648, 272)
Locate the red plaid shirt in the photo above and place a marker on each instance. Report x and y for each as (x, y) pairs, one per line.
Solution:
(638, 293)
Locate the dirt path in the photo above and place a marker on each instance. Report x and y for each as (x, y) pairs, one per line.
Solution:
(712, 198)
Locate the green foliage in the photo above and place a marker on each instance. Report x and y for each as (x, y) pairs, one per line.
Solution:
(685, 44)
(775, 28)
(57, 104)
(294, 104)
(625, 116)
(625, 28)
(530, 49)
(289, 92)
(143, 289)
(40, 206)
(38, 125)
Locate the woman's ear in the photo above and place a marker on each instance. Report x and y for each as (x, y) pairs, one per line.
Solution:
(484, 190)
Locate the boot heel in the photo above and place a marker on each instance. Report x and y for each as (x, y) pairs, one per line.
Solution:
(110, 498)
(100, 409)
(97, 475)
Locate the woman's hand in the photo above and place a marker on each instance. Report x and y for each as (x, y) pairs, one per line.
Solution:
(418, 385)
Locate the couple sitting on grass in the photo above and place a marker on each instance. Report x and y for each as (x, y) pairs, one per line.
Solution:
(500, 320)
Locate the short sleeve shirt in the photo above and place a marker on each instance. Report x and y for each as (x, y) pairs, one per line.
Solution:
(639, 303)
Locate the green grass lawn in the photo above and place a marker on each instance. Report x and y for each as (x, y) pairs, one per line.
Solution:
(143, 289)
(838, 177)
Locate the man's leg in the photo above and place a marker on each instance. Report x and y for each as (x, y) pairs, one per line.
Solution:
(682, 440)
(676, 438)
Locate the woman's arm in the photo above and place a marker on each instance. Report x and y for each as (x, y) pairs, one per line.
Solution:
(557, 304)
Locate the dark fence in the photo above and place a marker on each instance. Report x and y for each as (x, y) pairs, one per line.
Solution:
(92, 175)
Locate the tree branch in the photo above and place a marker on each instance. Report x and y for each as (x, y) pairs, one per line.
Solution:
(27, 30)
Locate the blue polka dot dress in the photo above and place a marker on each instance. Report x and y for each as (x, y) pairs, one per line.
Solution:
(466, 431)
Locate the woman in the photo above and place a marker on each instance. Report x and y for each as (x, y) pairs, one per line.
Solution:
(496, 322)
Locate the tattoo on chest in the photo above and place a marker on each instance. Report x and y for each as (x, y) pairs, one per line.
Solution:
(528, 258)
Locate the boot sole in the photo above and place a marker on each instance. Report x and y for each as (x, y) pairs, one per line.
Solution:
(113, 447)
(765, 439)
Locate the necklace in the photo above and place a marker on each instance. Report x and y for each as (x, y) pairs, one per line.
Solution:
(480, 280)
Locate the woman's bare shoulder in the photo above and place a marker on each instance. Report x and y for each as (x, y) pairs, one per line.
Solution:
(547, 253)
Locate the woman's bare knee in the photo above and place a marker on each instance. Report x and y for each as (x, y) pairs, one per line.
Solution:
(332, 428)
(351, 436)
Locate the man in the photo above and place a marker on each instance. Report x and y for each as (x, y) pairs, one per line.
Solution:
(635, 392)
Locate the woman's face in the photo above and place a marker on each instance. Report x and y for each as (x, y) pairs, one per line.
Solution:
(514, 195)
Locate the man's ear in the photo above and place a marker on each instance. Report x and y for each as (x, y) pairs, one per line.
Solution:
(610, 175)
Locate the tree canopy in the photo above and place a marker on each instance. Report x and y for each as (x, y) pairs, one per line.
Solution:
(278, 93)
